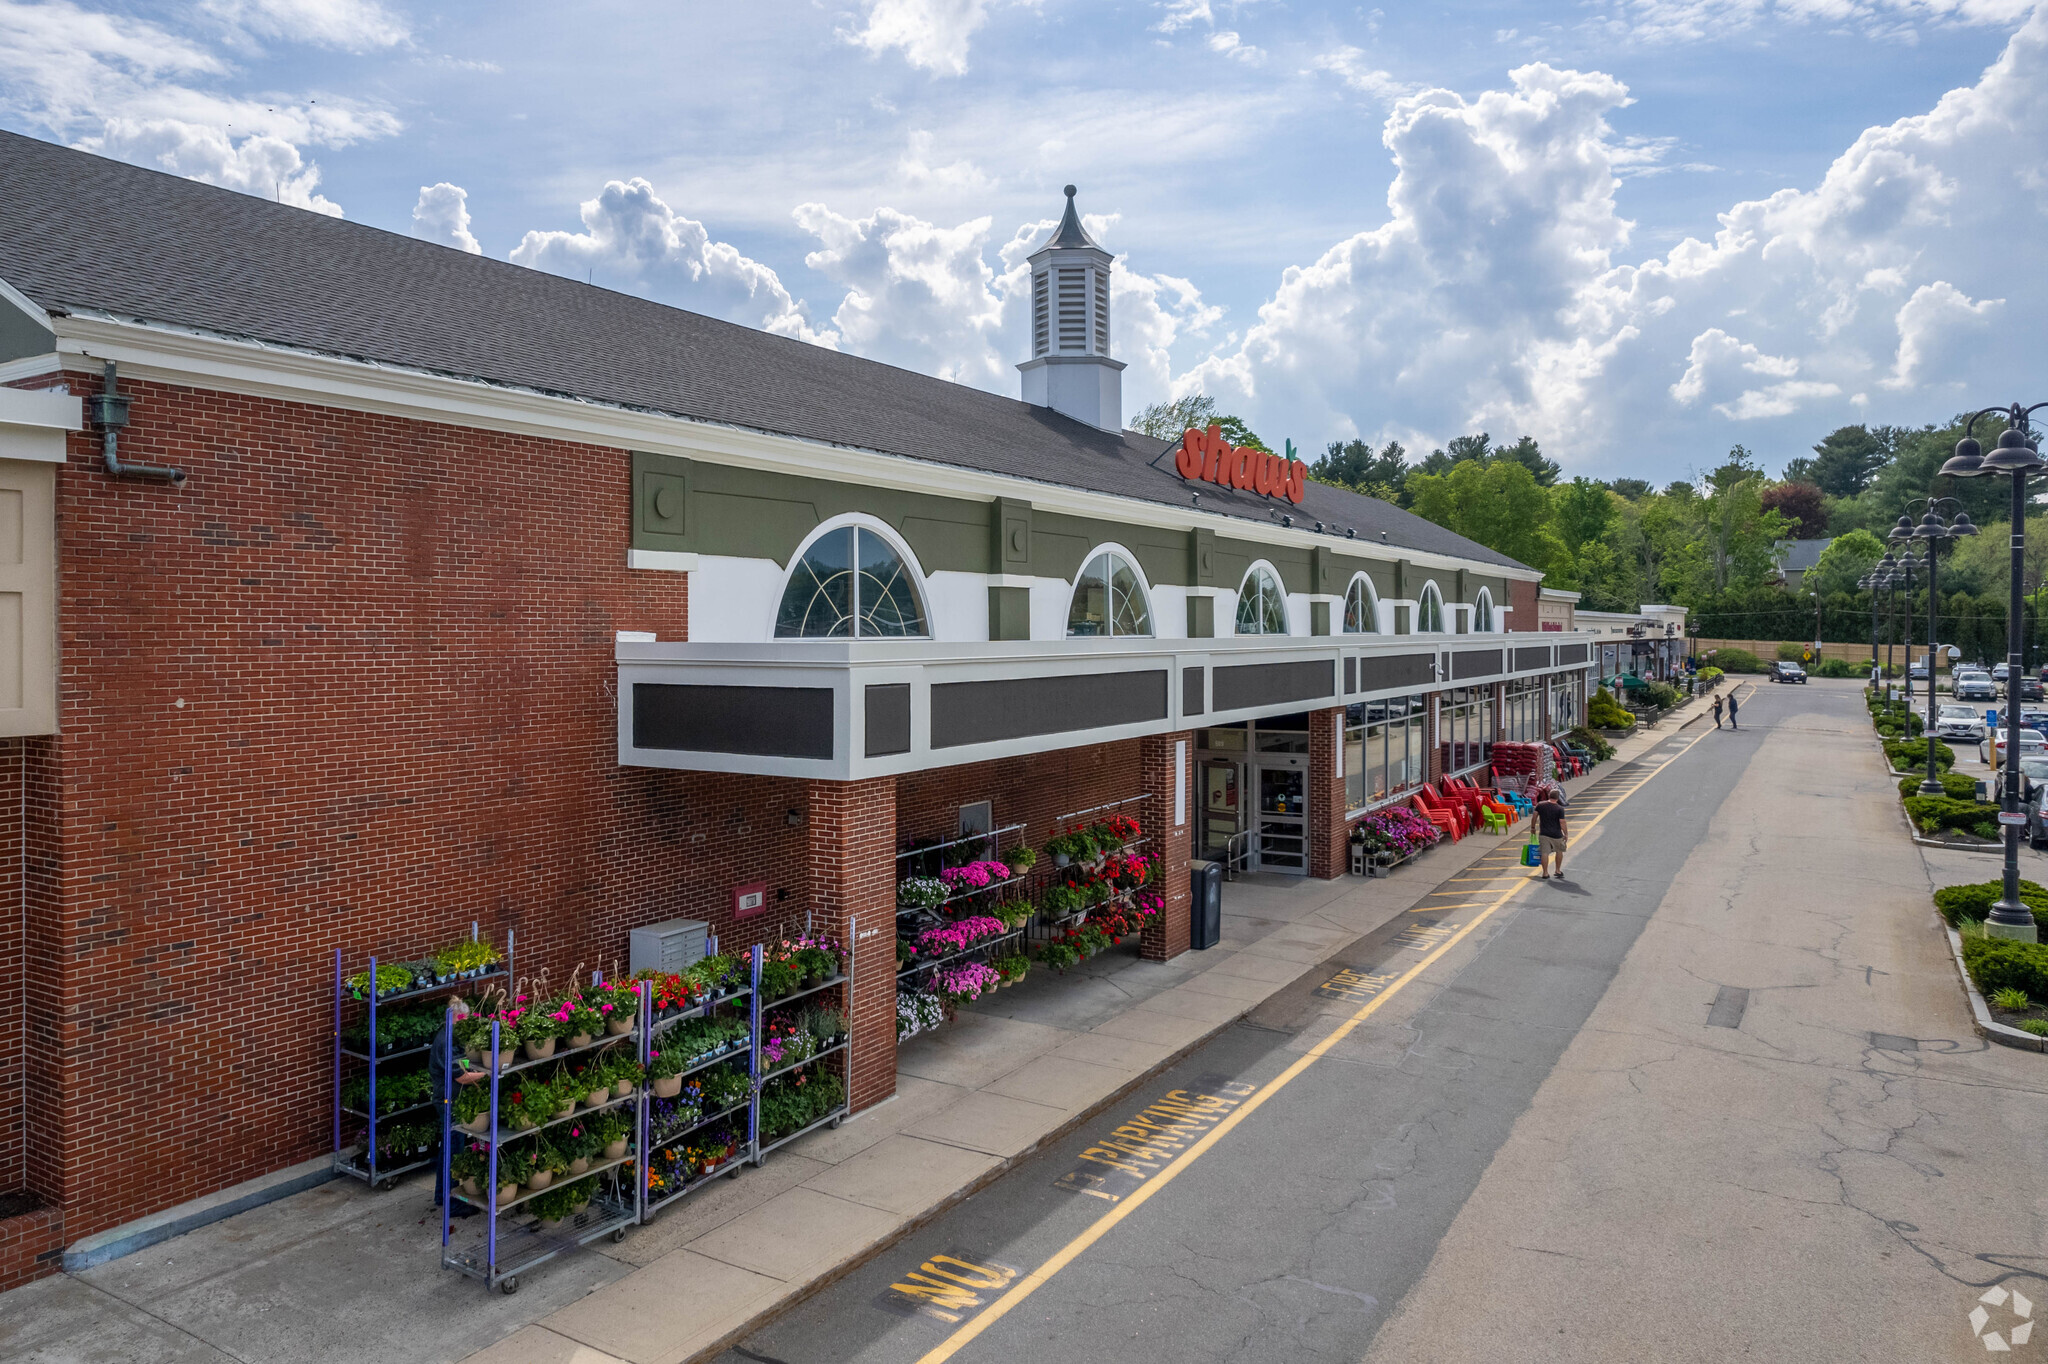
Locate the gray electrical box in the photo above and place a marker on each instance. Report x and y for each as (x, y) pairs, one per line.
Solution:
(669, 946)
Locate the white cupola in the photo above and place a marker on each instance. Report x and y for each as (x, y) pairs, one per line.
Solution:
(1070, 370)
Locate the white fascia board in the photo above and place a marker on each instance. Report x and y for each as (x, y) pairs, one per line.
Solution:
(187, 357)
(42, 408)
(664, 560)
(31, 367)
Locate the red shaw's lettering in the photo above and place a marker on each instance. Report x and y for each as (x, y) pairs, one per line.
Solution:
(1205, 455)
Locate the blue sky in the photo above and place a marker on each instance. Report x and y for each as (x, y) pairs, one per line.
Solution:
(1641, 231)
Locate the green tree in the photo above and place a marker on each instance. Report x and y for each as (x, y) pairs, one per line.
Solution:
(1526, 453)
(1583, 510)
(1237, 433)
(1844, 463)
(1166, 421)
(1355, 465)
(1495, 502)
(1634, 489)
(1802, 503)
(1844, 561)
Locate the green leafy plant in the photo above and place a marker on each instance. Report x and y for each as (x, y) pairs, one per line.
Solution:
(777, 979)
(1907, 754)
(1959, 904)
(724, 1086)
(1739, 661)
(515, 1162)
(2009, 998)
(1837, 667)
(459, 957)
(1931, 814)
(2001, 964)
(1954, 786)
(471, 1102)
(1062, 900)
(2037, 1026)
(1604, 712)
(611, 1125)
(826, 1025)
(390, 980)
(1021, 860)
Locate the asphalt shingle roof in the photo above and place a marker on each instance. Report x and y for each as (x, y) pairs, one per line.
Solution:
(79, 231)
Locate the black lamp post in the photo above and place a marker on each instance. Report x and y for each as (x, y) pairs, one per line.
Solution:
(2016, 456)
(1903, 570)
(1935, 532)
(1869, 583)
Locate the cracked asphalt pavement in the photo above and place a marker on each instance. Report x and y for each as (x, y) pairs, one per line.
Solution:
(1541, 1149)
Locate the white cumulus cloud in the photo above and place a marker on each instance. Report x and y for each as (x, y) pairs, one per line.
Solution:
(931, 34)
(442, 215)
(632, 239)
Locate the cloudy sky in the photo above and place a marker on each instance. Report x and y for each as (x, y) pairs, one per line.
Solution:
(1639, 230)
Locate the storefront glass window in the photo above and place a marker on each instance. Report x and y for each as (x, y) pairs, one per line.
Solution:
(1526, 720)
(1361, 613)
(829, 598)
(1383, 749)
(1108, 599)
(1465, 728)
(1261, 607)
(1482, 613)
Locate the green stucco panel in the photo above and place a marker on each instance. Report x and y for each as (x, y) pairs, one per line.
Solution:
(1201, 618)
(1009, 613)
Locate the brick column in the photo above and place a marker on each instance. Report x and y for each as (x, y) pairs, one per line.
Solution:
(1329, 835)
(851, 848)
(1166, 933)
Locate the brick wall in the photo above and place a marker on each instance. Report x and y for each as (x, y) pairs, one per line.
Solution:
(852, 844)
(1523, 599)
(1035, 790)
(1329, 833)
(31, 1245)
(352, 685)
(1159, 757)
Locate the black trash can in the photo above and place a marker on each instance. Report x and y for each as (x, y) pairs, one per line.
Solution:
(1205, 910)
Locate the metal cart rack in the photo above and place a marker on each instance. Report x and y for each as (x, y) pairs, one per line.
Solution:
(843, 1050)
(749, 1055)
(372, 1060)
(511, 1246)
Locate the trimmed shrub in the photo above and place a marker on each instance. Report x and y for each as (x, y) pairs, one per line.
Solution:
(1790, 653)
(1662, 695)
(1605, 712)
(1709, 676)
(1952, 786)
(1837, 667)
(1592, 743)
(1958, 903)
(1738, 661)
(1932, 813)
(1907, 754)
(2001, 964)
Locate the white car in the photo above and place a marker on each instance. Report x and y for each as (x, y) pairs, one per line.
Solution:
(1972, 685)
(2031, 744)
(1960, 722)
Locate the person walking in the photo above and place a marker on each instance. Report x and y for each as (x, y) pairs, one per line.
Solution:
(1717, 712)
(1733, 705)
(465, 1074)
(1551, 832)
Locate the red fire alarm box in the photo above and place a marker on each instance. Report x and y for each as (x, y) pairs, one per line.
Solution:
(749, 900)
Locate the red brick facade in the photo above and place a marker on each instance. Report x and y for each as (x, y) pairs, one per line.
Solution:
(852, 845)
(1162, 759)
(1522, 599)
(351, 685)
(1329, 833)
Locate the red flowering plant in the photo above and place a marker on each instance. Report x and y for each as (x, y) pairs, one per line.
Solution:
(1121, 828)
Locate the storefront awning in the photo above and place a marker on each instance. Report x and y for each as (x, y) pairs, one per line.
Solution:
(846, 709)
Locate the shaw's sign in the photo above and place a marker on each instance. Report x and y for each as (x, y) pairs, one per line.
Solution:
(1206, 455)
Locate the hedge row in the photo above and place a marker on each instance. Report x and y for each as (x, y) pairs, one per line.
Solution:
(2001, 964)
(1952, 786)
(1932, 813)
(1959, 903)
(1907, 754)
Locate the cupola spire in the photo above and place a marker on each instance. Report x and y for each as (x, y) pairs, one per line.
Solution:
(1070, 369)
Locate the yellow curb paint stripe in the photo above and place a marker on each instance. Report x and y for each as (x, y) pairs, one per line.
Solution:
(1101, 1227)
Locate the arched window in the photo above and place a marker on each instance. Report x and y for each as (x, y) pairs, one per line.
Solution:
(1361, 608)
(1482, 612)
(1429, 612)
(1261, 606)
(850, 581)
(1109, 599)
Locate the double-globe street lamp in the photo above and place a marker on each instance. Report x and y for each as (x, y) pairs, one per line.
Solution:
(2016, 456)
(1893, 574)
(1935, 532)
(1871, 582)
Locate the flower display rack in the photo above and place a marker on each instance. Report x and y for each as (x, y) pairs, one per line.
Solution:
(773, 1081)
(659, 1145)
(515, 1241)
(367, 1120)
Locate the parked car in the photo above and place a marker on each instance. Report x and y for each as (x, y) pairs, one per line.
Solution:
(2037, 816)
(2032, 743)
(1998, 673)
(1971, 685)
(1787, 672)
(1960, 722)
(2031, 689)
(2033, 775)
(1918, 672)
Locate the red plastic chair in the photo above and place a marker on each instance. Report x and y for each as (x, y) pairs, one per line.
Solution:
(1443, 819)
(1438, 805)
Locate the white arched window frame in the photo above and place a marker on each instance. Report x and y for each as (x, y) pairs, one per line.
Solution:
(877, 593)
(1429, 611)
(1261, 602)
(1126, 606)
(1482, 612)
(1361, 607)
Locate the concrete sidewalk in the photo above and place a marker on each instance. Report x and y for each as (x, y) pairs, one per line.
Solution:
(338, 1273)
